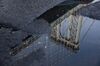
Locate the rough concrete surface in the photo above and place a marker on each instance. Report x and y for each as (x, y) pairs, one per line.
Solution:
(21, 12)
(18, 20)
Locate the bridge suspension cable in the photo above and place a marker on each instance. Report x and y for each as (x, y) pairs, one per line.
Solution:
(84, 36)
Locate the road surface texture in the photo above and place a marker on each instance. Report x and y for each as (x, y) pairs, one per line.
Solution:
(18, 22)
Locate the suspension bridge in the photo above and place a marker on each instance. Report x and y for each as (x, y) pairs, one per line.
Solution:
(74, 25)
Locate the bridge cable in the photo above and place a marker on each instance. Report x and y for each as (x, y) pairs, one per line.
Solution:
(87, 31)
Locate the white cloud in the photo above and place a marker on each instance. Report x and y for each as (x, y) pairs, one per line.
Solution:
(95, 1)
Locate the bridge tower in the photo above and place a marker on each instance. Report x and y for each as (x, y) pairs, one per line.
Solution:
(74, 25)
(73, 31)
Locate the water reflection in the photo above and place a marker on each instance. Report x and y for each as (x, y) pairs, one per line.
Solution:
(88, 53)
(69, 48)
(52, 53)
